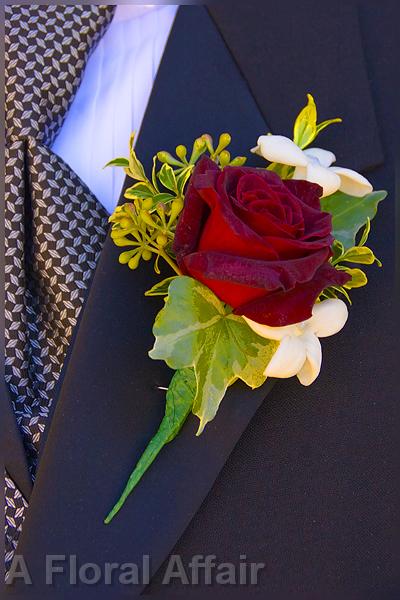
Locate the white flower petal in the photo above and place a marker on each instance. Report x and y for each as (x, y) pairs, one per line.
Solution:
(271, 333)
(312, 365)
(324, 157)
(280, 149)
(326, 178)
(328, 317)
(352, 182)
(256, 150)
(288, 359)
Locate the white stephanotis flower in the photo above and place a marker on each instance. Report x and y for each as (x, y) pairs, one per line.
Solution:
(299, 352)
(312, 164)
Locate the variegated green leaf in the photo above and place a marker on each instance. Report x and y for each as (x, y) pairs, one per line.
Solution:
(117, 162)
(359, 255)
(195, 329)
(182, 178)
(135, 169)
(139, 190)
(365, 233)
(164, 198)
(358, 278)
(167, 177)
(160, 288)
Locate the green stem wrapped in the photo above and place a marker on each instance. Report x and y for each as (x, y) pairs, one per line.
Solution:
(179, 401)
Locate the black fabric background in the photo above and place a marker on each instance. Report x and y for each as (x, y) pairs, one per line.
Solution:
(311, 488)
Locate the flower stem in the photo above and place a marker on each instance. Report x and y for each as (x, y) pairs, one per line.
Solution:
(171, 263)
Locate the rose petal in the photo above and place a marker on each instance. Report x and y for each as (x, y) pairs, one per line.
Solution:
(312, 365)
(324, 157)
(288, 249)
(328, 317)
(191, 219)
(231, 177)
(352, 183)
(239, 281)
(306, 191)
(225, 232)
(267, 275)
(261, 206)
(280, 149)
(288, 359)
(263, 201)
(286, 308)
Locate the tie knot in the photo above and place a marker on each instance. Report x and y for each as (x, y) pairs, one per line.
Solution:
(46, 52)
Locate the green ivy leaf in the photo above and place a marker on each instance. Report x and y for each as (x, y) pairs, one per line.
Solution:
(160, 288)
(117, 162)
(179, 401)
(195, 329)
(350, 213)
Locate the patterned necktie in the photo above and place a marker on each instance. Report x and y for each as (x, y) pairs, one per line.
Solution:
(55, 227)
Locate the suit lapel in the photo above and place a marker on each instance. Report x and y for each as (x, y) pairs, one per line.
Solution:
(288, 48)
(109, 404)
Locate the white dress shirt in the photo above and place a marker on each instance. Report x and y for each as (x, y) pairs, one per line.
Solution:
(112, 98)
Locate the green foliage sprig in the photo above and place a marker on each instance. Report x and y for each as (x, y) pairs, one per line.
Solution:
(146, 230)
(305, 130)
(359, 254)
(147, 223)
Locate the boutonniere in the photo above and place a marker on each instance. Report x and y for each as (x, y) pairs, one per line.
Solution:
(263, 261)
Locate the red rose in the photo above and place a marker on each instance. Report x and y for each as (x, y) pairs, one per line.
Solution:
(261, 244)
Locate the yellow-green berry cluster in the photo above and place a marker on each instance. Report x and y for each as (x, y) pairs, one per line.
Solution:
(146, 229)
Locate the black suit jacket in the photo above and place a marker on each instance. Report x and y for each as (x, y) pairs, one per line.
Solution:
(301, 479)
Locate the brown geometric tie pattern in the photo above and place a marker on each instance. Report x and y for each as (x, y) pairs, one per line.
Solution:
(54, 225)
